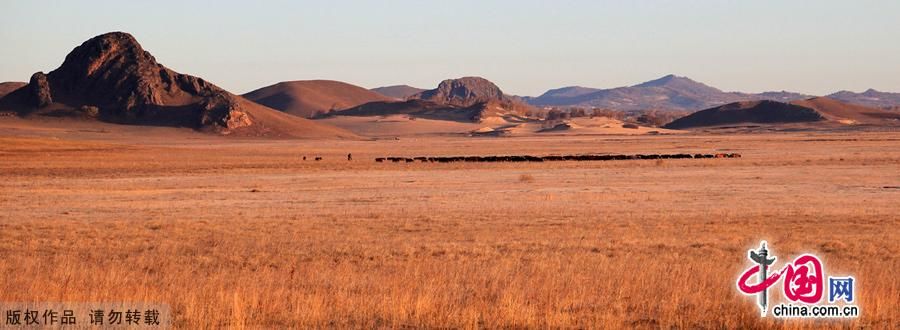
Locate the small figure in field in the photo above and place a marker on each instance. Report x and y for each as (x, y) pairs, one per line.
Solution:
(349, 157)
(318, 158)
(304, 157)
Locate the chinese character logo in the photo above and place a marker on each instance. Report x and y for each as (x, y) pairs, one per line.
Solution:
(840, 288)
(803, 280)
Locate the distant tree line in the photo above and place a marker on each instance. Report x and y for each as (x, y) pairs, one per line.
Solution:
(652, 117)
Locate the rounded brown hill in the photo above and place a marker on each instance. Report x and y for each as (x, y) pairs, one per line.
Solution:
(112, 78)
(849, 113)
(818, 110)
(306, 98)
(10, 86)
(761, 112)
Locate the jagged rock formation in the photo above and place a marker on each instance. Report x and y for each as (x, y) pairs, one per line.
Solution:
(470, 99)
(463, 92)
(112, 78)
(115, 74)
(40, 90)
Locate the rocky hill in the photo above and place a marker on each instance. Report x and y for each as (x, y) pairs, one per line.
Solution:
(463, 92)
(464, 99)
(112, 78)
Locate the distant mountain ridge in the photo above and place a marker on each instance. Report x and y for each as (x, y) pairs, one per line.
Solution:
(669, 92)
(869, 98)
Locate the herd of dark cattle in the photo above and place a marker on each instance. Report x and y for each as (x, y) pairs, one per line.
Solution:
(493, 159)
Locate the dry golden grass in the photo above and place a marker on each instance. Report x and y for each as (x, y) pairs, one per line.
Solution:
(526, 178)
(246, 234)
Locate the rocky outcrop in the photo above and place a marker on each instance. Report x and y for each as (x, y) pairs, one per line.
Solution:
(480, 97)
(113, 77)
(469, 99)
(89, 111)
(222, 112)
(39, 89)
(463, 92)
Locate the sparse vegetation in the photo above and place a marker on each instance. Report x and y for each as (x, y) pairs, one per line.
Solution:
(658, 118)
(363, 245)
(556, 114)
(650, 117)
(577, 112)
(609, 113)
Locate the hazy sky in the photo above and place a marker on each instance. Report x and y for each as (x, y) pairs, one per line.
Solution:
(526, 47)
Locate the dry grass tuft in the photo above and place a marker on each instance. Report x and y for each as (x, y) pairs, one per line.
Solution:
(526, 178)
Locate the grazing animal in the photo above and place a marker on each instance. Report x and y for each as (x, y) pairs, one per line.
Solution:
(318, 158)
(527, 158)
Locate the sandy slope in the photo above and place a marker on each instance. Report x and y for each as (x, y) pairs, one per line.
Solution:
(398, 125)
(273, 123)
(405, 125)
(270, 124)
(849, 113)
(601, 125)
